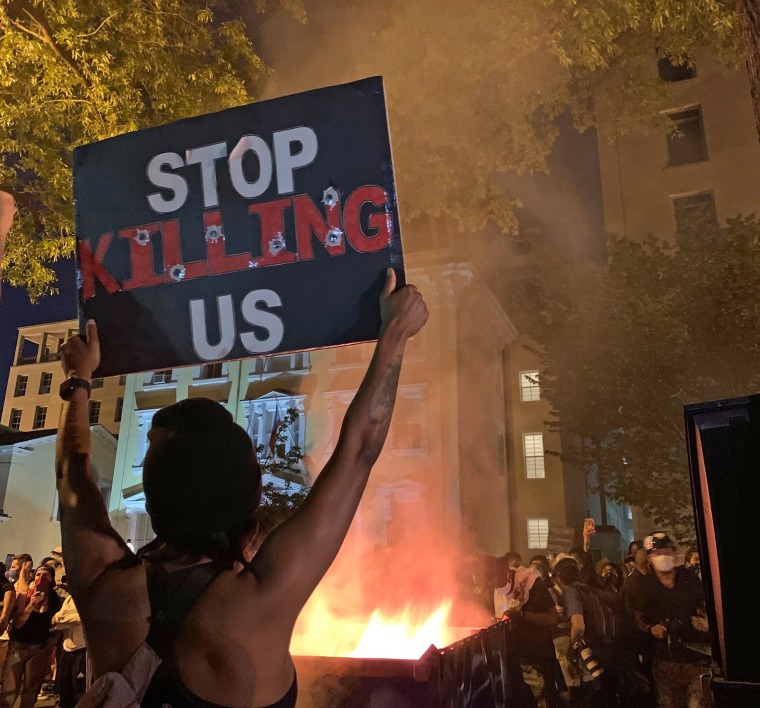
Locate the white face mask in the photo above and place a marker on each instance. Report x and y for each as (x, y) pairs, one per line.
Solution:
(663, 563)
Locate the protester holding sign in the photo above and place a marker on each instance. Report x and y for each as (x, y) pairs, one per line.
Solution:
(200, 620)
(259, 229)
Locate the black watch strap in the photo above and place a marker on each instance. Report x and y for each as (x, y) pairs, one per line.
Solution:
(72, 384)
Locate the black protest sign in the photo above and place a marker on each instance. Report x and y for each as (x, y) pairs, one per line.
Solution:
(255, 230)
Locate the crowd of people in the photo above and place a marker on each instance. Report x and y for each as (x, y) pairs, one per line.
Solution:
(42, 645)
(588, 636)
(604, 635)
(596, 636)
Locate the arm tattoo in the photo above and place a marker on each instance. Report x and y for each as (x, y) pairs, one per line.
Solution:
(384, 398)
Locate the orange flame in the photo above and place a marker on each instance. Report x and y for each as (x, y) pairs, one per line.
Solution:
(399, 638)
(406, 635)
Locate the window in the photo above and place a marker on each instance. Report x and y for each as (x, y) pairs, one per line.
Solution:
(28, 351)
(297, 362)
(529, 388)
(213, 371)
(264, 417)
(97, 383)
(409, 419)
(40, 414)
(46, 381)
(122, 380)
(21, 382)
(15, 419)
(533, 447)
(687, 142)
(119, 408)
(669, 71)
(695, 216)
(94, 412)
(538, 533)
(161, 377)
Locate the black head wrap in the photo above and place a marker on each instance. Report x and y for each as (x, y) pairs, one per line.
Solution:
(200, 476)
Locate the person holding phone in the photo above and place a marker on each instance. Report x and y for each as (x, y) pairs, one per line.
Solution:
(28, 660)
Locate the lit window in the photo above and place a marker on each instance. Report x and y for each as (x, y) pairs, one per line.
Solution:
(15, 419)
(40, 414)
(46, 381)
(94, 412)
(529, 388)
(538, 533)
(97, 383)
(696, 216)
(21, 382)
(687, 142)
(533, 448)
(119, 409)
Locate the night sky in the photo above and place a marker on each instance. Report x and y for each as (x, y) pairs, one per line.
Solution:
(16, 311)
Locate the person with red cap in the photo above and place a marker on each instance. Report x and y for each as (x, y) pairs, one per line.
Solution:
(198, 619)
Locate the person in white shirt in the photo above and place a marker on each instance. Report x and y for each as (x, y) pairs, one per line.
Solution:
(72, 661)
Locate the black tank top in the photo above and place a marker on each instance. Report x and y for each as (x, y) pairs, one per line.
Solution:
(172, 595)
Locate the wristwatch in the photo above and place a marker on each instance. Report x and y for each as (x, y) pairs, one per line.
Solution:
(72, 384)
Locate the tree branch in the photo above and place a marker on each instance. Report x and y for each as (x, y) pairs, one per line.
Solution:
(18, 9)
(100, 26)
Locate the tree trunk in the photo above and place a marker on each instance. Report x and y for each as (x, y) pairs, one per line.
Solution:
(749, 20)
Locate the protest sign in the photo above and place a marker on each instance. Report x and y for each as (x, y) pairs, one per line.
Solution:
(260, 229)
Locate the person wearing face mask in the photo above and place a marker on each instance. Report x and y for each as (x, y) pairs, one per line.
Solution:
(609, 576)
(21, 572)
(670, 608)
(691, 561)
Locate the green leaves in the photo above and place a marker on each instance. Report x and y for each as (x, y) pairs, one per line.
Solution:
(286, 463)
(474, 89)
(626, 346)
(73, 72)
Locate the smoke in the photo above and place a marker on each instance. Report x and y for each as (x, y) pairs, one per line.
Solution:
(476, 103)
(473, 92)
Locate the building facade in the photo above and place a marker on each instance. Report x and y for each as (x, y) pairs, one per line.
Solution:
(32, 401)
(675, 183)
(707, 170)
(447, 462)
(29, 518)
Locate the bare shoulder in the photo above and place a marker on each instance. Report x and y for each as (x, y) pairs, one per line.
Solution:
(235, 642)
(115, 614)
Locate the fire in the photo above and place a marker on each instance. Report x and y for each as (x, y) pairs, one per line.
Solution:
(398, 638)
(405, 635)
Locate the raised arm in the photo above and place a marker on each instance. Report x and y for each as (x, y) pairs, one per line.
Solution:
(297, 554)
(90, 544)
